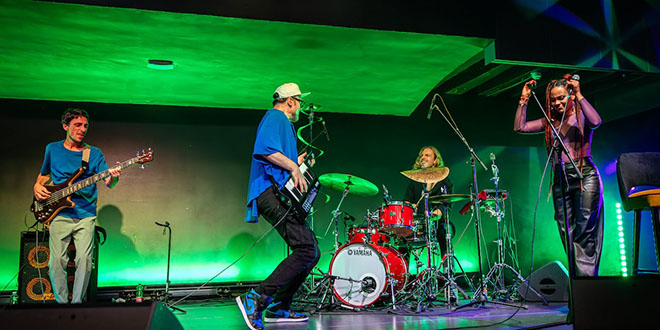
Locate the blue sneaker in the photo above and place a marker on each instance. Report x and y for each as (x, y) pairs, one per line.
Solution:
(251, 305)
(282, 315)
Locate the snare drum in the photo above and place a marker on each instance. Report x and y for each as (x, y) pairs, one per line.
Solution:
(397, 218)
(367, 235)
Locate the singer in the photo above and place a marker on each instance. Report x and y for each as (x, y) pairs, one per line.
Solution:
(429, 157)
(575, 119)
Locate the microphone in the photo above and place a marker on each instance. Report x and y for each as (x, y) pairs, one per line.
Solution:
(535, 76)
(386, 195)
(313, 106)
(431, 107)
(166, 225)
(493, 167)
(325, 130)
(575, 77)
(368, 285)
(348, 217)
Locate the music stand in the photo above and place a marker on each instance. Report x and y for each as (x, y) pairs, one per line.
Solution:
(167, 281)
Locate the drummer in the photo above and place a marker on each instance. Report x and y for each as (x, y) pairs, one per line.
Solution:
(429, 157)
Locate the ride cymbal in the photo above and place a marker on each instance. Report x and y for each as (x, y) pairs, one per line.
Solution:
(448, 198)
(356, 185)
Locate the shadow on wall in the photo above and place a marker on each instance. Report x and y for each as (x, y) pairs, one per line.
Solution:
(237, 246)
(118, 247)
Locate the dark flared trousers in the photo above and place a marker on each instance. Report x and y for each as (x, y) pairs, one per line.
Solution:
(584, 207)
(289, 275)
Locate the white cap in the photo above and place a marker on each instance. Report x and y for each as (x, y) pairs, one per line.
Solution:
(288, 90)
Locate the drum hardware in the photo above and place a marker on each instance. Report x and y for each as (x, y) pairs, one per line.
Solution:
(495, 198)
(347, 183)
(427, 282)
(450, 288)
(325, 284)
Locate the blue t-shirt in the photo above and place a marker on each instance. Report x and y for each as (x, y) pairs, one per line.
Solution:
(61, 163)
(274, 134)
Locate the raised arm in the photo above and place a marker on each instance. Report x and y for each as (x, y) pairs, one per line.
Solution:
(520, 123)
(591, 116)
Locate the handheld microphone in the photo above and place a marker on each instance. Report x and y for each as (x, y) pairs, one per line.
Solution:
(535, 76)
(575, 77)
(431, 107)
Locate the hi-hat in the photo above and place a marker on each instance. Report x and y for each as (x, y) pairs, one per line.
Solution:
(448, 198)
(356, 185)
(427, 175)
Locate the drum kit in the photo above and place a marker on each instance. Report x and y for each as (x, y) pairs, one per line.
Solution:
(372, 267)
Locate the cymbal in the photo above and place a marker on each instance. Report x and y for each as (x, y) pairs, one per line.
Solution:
(427, 175)
(448, 198)
(356, 185)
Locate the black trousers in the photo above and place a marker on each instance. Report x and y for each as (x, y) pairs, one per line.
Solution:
(289, 275)
(584, 208)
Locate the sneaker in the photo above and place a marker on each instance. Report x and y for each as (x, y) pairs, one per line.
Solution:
(282, 315)
(251, 307)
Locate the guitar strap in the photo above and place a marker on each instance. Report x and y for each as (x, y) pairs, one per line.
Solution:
(85, 158)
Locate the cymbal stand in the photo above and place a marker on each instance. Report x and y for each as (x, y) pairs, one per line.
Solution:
(428, 283)
(497, 271)
(335, 217)
(450, 288)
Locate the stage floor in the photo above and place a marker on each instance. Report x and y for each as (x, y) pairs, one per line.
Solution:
(217, 314)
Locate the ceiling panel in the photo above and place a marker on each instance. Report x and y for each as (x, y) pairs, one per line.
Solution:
(55, 51)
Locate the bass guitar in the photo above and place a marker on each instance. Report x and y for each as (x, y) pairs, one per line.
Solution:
(60, 194)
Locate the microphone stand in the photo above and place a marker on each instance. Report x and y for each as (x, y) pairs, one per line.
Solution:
(478, 296)
(166, 298)
(558, 148)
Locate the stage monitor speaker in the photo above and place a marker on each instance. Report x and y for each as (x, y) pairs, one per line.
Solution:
(147, 315)
(34, 284)
(615, 302)
(551, 281)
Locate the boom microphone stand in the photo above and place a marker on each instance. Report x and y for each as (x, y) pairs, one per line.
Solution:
(478, 295)
(166, 299)
(557, 149)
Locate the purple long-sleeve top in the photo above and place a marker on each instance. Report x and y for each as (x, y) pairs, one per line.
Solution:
(589, 119)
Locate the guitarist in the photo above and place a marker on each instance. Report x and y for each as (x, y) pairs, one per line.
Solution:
(61, 160)
(275, 159)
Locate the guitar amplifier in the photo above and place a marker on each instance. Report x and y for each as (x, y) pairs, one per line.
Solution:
(34, 284)
(302, 201)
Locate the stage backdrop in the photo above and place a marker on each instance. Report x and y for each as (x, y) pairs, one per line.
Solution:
(198, 182)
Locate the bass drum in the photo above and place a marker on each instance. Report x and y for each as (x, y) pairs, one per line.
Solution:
(370, 268)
